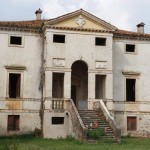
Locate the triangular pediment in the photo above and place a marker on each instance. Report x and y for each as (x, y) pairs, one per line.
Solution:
(80, 19)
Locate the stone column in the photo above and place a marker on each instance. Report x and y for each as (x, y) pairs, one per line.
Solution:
(67, 85)
(48, 83)
(91, 89)
(48, 89)
(109, 92)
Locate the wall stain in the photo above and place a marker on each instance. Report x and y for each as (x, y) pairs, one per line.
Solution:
(14, 104)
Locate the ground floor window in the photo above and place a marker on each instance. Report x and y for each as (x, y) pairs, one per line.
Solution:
(57, 120)
(131, 123)
(13, 122)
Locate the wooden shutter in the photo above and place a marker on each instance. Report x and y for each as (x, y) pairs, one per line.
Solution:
(10, 123)
(16, 122)
(13, 122)
(131, 124)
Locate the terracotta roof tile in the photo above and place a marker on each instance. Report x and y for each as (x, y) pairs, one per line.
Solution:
(36, 24)
(130, 33)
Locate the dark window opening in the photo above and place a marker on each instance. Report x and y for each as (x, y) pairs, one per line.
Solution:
(130, 89)
(16, 40)
(14, 85)
(130, 48)
(13, 122)
(100, 41)
(131, 123)
(58, 85)
(57, 120)
(58, 38)
(100, 86)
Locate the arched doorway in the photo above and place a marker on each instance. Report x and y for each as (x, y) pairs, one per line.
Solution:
(79, 84)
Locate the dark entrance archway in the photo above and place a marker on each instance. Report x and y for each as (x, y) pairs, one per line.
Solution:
(79, 84)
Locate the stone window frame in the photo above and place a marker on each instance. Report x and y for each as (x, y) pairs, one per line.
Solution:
(131, 43)
(131, 75)
(15, 45)
(17, 70)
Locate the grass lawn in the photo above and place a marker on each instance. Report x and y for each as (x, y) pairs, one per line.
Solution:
(35, 143)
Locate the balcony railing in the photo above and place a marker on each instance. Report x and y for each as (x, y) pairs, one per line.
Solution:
(58, 104)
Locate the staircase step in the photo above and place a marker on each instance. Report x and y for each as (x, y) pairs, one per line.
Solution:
(89, 116)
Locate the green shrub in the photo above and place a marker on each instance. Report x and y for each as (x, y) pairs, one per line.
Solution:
(37, 132)
(96, 133)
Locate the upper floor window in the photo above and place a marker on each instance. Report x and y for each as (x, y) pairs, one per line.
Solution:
(100, 41)
(15, 40)
(130, 48)
(14, 85)
(130, 89)
(58, 38)
(131, 85)
(14, 81)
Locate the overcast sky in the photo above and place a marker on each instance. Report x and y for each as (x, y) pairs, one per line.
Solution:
(124, 14)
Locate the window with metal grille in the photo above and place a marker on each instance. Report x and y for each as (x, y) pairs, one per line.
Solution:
(57, 120)
(131, 123)
(58, 38)
(100, 41)
(13, 122)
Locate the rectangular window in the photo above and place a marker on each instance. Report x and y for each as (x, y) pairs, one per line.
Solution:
(100, 41)
(14, 85)
(130, 48)
(57, 120)
(13, 122)
(131, 124)
(15, 40)
(100, 86)
(58, 85)
(130, 89)
(58, 38)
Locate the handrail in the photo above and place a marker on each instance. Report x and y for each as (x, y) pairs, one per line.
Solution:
(77, 114)
(79, 128)
(100, 105)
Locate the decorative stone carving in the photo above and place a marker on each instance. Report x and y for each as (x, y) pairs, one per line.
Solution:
(101, 65)
(58, 62)
(80, 21)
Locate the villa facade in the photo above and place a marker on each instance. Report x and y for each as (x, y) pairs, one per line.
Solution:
(52, 68)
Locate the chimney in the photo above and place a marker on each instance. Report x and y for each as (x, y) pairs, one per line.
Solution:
(140, 28)
(38, 14)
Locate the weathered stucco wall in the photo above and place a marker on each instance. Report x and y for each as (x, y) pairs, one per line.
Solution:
(27, 56)
(137, 66)
(57, 130)
(29, 121)
(78, 46)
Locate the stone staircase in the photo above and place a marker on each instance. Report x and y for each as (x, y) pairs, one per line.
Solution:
(89, 117)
